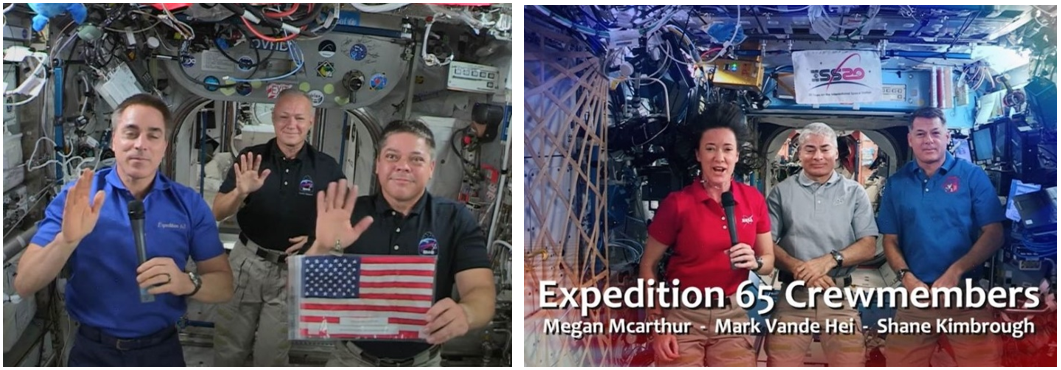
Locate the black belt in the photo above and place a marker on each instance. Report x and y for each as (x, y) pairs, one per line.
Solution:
(386, 362)
(787, 277)
(126, 344)
(279, 258)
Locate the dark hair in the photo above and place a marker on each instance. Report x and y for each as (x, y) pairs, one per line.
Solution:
(718, 115)
(146, 100)
(727, 115)
(410, 127)
(928, 112)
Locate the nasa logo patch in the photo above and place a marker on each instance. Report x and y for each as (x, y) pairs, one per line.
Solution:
(428, 245)
(305, 187)
(951, 184)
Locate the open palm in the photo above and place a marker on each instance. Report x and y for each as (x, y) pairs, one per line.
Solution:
(80, 216)
(248, 180)
(334, 207)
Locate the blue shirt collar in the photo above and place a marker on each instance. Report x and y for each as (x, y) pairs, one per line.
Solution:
(948, 164)
(160, 182)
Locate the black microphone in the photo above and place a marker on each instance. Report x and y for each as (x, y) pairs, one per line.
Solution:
(727, 204)
(136, 216)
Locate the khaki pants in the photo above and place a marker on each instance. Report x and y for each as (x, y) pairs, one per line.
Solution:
(258, 306)
(702, 348)
(790, 350)
(347, 354)
(969, 350)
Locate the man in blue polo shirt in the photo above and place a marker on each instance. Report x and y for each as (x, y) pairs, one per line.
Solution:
(941, 220)
(94, 235)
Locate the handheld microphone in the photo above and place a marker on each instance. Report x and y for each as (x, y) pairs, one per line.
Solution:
(727, 204)
(136, 216)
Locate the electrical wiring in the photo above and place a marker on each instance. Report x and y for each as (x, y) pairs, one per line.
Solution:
(288, 13)
(296, 55)
(151, 27)
(504, 244)
(567, 23)
(670, 51)
(727, 44)
(465, 16)
(290, 35)
(257, 55)
(783, 11)
(185, 30)
(33, 154)
(666, 94)
(253, 15)
(380, 8)
(327, 26)
(662, 21)
(430, 59)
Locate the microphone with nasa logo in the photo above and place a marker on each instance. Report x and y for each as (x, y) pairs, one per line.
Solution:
(136, 217)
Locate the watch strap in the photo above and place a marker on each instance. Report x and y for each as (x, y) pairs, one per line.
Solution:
(901, 273)
(338, 248)
(197, 281)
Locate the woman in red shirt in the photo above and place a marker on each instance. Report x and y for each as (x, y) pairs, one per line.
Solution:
(693, 222)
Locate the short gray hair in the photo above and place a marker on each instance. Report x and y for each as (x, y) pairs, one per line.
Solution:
(291, 91)
(817, 128)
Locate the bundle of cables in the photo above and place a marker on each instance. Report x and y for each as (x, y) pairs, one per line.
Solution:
(292, 21)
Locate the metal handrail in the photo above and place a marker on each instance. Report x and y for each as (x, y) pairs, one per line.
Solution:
(15, 245)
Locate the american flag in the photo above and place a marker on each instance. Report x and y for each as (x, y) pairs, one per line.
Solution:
(362, 296)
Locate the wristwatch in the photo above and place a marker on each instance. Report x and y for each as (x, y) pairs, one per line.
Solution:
(838, 257)
(338, 248)
(197, 281)
(759, 261)
(901, 273)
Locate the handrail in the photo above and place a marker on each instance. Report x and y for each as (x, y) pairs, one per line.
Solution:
(15, 245)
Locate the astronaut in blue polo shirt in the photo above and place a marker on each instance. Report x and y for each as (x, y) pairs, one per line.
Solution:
(87, 226)
(941, 220)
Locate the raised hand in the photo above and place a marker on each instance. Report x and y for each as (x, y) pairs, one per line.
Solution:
(79, 215)
(248, 180)
(334, 207)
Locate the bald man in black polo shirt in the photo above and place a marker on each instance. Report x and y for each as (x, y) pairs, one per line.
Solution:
(273, 188)
(407, 220)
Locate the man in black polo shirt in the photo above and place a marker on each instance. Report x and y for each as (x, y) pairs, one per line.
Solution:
(272, 186)
(407, 220)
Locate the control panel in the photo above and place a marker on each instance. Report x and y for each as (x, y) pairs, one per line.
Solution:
(337, 70)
